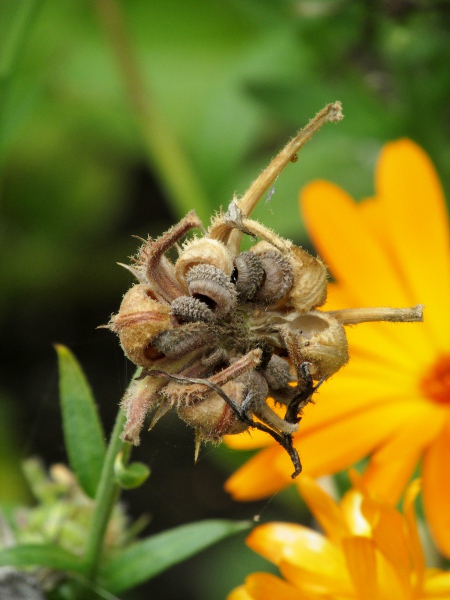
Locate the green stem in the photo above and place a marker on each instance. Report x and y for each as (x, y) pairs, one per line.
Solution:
(164, 151)
(107, 494)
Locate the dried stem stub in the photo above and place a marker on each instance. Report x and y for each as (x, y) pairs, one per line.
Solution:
(221, 330)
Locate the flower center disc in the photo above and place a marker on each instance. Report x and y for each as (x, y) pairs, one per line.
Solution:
(436, 383)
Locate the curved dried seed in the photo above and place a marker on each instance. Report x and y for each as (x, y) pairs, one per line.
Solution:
(247, 275)
(191, 310)
(179, 341)
(277, 373)
(278, 278)
(210, 285)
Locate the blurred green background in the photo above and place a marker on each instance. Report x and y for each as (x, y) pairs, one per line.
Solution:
(118, 117)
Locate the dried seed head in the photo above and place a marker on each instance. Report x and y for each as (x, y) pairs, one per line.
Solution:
(277, 280)
(140, 319)
(191, 310)
(212, 330)
(203, 251)
(247, 275)
(210, 285)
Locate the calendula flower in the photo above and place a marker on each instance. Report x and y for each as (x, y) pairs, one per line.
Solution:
(392, 401)
(369, 551)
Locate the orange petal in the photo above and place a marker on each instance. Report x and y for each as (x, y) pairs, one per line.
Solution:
(372, 214)
(436, 489)
(392, 465)
(295, 543)
(415, 217)
(249, 440)
(390, 582)
(437, 585)
(330, 449)
(264, 474)
(356, 256)
(239, 593)
(328, 581)
(351, 506)
(254, 438)
(337, 297)
(374, 341)
(414, 542)
(325, 510)
(389, 536)
(351, 393)
(349, 247)
(361, 563)
(387, 344)
(263, 586)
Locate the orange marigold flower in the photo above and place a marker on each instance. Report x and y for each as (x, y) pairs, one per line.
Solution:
(369, 551)
(392, 401)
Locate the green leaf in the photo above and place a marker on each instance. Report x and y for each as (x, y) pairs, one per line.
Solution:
(83, 432)
(15, 24)
(130, 476)
(43, 555)
(149, 557)
(17, 18)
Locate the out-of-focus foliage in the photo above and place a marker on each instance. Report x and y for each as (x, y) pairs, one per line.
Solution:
(232, 80)
(227, 82)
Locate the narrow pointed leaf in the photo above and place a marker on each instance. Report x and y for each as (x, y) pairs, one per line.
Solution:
(83, 432)
(149, 557)
(42, 555)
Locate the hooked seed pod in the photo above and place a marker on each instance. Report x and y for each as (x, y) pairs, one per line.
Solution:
(211, 286)
(203, 251)
(278, 277)
(247, 275)
(177, 342)
(140, 319)
(191, 310)
(277, 373)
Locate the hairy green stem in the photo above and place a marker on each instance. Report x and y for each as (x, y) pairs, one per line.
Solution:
(164, 151)
(107, 494)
